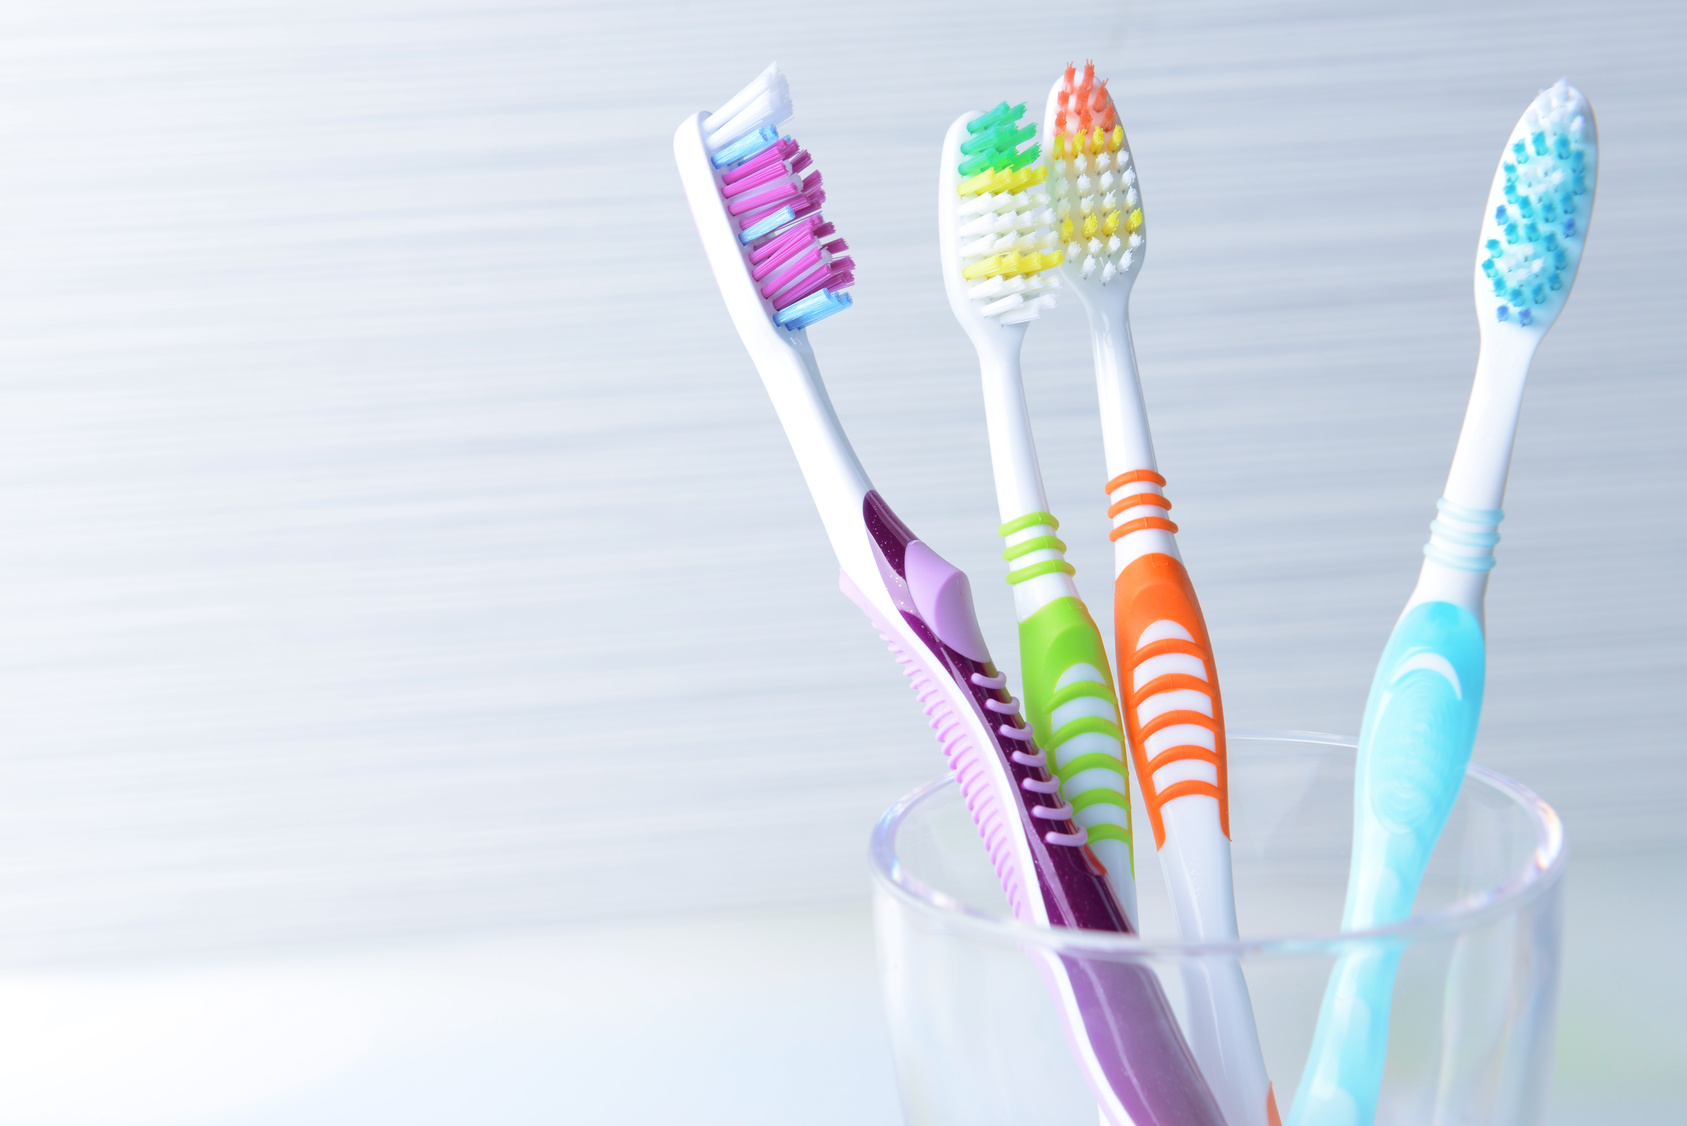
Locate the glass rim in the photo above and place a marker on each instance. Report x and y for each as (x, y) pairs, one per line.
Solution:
(1526, 883)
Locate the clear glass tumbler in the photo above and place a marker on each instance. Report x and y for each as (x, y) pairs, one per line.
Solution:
(978, 1040)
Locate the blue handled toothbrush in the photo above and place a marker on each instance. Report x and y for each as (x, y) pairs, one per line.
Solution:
(1420, 719)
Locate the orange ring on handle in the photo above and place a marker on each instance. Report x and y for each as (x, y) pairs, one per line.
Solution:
(1137, 500)
(1142, 525)
(1135, 475)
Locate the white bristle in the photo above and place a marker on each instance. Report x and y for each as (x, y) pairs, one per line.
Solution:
(987, 289)
(766, 101)
(996, 308)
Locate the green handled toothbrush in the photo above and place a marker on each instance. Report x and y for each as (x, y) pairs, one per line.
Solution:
(999, 251)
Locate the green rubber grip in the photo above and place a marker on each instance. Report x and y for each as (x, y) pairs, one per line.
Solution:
(1052, 642)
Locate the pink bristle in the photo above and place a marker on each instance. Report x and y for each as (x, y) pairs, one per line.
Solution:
(804, 159)
(835, 276)
(763, 177)
(792, 272)
(767, 200)
(836, 246)
(769, 254)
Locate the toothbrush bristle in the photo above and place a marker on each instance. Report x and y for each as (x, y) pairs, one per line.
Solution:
(1532, 237)
(1006, 236)
(1098, 209)
(773, 194)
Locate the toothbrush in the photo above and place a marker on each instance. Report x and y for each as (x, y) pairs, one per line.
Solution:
(996, 234)
(1174, 718)
(780, 270)
(1426, 698)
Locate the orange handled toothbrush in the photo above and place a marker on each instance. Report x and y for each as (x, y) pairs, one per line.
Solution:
(1168, 683)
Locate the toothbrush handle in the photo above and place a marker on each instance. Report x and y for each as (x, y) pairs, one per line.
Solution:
(1074, 713)
(1156, 614)
(1420, 723)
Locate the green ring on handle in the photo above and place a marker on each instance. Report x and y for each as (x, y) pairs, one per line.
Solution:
(1039, 543)
(1029, 520)
(1046, 567)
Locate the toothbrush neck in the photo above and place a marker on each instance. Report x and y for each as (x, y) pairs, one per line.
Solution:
(1124, 416)
(1013, 452)
(1483, 457)
(1465, 531)
(829, 466)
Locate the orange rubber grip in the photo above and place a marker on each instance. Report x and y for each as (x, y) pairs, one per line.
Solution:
(1156, 588)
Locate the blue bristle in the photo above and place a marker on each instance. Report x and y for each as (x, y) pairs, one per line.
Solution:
(768, 226)
(746, 146)
(1532, 244)
(815, 307)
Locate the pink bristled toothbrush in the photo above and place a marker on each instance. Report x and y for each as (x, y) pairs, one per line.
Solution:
(756, 201)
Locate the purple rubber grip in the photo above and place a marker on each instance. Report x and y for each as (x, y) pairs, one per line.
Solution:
(1125, 1019)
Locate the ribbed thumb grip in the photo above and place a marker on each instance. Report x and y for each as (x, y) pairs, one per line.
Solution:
(972, 774)
(1156, 615)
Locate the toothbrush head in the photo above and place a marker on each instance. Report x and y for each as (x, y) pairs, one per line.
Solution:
(795, 265)
(1536, 221)
(1092, 179)
(994, 221)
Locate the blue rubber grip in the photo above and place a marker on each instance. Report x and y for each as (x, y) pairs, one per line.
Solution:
(1420, 723)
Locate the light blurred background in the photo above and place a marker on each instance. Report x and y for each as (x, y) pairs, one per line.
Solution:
(424, 691)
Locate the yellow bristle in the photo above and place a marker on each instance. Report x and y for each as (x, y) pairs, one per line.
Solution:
(1098, 143)
(1118, 140)
(1134, 223)
(1053, 258)
(1030, 264)
(1111, 223)
(1011, 264)
(1024, 178)
(980, 269)
(972, 185)
(1089, 227)
(1066, 229)
(1059, 141)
